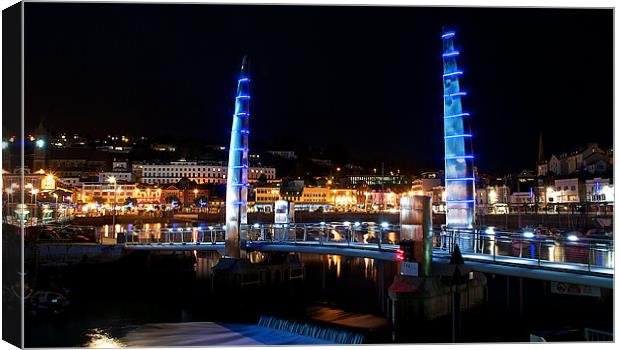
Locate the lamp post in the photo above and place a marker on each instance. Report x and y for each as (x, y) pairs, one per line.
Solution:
(56, 206)
(34, 201)
(9, 191)
(112, 180)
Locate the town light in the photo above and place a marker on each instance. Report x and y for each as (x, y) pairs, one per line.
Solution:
(256, 225)
(40, 143)
(528, 234)
(572, 238)
(112, 179)
(385, 224)
(490, 231)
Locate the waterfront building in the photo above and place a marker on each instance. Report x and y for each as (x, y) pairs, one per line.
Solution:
(118, 175)
(69, 181)
(569, 191)
(306, 198)
(542, 168)
(426, 182)
(599, 190)
(340, 199)
(103, 192)
(314, 198)
(525, 181)
(38, 180)
(379, 199)
(201, 172)
(185, 193)
(554, 165)
(590, 158)
(265, 198)
(377, 180)
(146, 194)
(438, 195)
(521, 198)
(121, 165)
(482, 197)
(78, 161)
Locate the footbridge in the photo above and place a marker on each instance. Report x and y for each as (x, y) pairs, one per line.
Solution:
(565, 259)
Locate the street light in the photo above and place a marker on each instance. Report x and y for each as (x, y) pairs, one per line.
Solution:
(9, 191)
(34, 194)
(112, 180)
(56, 207)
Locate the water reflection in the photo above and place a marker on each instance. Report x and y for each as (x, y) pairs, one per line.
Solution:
(256, 257)
(369, 269)
(205, 261)
(392, 237)
(100, 339)
(333, 262)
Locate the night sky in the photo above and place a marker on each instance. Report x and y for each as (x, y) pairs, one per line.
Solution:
(366, 79)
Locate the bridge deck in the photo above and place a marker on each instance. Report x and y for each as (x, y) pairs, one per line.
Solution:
(502, 265)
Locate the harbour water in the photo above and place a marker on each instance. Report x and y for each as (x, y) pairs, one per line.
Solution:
(167, 299)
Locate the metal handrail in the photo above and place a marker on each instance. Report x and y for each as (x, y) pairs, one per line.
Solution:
(584, 254)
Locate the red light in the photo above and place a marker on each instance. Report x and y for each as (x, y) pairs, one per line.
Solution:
(399, 255)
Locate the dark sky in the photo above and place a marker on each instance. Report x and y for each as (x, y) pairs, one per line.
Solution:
(367, 79)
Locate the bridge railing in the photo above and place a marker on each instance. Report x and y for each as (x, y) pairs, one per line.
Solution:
(568, 252)
(572, 253)
(202, 235)
(580, 254)
(325, 233)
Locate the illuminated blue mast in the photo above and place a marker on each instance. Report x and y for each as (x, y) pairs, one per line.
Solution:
(237, 179)
(459, 158)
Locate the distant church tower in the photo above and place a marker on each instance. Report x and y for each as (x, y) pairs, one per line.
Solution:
(542, 166)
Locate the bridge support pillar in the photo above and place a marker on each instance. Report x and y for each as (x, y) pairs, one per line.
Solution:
(430, 293)
(416, 224)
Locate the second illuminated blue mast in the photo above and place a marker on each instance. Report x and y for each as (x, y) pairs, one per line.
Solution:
(237, 179)
(459, 158)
